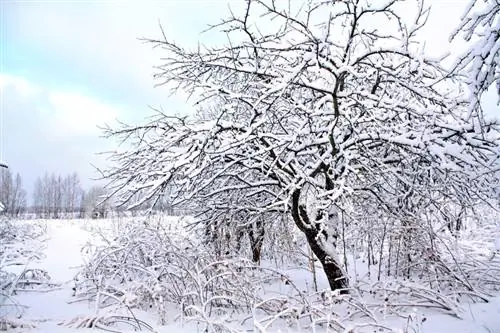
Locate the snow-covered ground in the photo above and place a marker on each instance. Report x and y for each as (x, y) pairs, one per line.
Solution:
(53, 308)
(47, 310)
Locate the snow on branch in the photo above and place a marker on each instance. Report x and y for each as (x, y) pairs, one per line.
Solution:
(480, 28)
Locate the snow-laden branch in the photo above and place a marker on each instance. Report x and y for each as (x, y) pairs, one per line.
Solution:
(480, 28)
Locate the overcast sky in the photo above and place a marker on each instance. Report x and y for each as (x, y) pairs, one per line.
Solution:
(68, 66)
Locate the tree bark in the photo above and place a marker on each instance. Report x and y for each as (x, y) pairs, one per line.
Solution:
(321, 244)
(333, 271)
(256, 236)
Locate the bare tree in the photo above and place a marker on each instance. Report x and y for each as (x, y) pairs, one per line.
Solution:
(322, 106)
(13, 195)
(57, 196)
(19, 201)
(74, 192)
(2, 206)
(37, 197)
(6, 189)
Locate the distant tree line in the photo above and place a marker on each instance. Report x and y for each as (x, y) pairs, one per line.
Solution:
(57, 196)
(54, 196)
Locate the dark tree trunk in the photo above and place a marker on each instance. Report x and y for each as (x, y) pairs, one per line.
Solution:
(334, 273)
(256, 236)
(240, 232)
(256, 254)
(315, 237)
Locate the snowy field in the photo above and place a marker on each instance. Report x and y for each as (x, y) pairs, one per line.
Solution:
(49, 293)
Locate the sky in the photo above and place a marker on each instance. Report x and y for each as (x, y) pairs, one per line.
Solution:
(67, 67)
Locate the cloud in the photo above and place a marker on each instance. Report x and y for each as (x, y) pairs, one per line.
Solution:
(64, 113)
(23, 86)
(76, 114)
(52, 130)
(95, 44)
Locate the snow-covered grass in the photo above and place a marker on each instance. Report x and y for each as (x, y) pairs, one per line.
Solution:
(136, 274)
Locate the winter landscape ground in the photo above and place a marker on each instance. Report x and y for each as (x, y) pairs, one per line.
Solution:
(47, 260)
(331, 175)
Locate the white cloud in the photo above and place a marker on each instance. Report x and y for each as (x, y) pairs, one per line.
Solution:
(63, 113)
(77, 114)
(22, 86)
(102, 38)
(51, 130)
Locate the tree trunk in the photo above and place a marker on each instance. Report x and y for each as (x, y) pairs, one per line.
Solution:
(322, 244)
(333, 271)
(256, 236)
(256, 254)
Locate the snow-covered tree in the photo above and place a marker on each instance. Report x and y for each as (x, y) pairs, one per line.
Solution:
(321, 107)
(480, 28)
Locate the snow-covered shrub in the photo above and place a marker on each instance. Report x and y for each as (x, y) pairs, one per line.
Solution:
(428, 251)
(277, 242)
(13, 230)
(145, 265)
(20, 244)
(105, 322)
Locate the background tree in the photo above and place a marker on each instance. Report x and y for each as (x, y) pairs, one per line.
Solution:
(330, 108)
(6, 188)
(57, 196)
(13, 194)
(92, 202)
